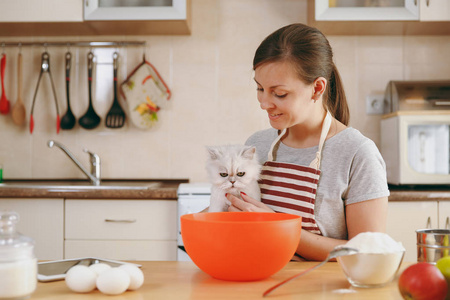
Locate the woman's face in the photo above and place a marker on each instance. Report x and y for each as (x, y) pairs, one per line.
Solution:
(287, 99)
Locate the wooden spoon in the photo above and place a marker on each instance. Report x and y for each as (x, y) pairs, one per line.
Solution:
(18, 110)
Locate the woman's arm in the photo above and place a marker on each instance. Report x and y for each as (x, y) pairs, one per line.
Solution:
(363, 216)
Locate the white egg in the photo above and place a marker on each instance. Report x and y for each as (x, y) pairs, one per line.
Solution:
(136, 276)
(81, 279)
(100, 267)
(113, 281)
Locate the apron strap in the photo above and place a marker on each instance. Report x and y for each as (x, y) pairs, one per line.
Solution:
(270, 154)
(323, 135)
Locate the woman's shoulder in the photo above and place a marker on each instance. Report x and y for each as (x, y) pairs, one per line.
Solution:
(352, 137)
(262, 137)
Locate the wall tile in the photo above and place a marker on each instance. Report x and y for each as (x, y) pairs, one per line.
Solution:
(214, 99)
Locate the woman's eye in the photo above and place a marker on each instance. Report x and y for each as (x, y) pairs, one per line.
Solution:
(223, 174)
(280, 96)
(240, 174)
(259, 89)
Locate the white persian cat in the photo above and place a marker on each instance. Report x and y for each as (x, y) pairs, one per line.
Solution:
(232, 169)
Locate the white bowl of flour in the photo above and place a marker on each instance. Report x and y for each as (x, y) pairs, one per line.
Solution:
(377, 262)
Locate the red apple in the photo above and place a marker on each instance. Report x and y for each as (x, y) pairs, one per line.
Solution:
(422, 281)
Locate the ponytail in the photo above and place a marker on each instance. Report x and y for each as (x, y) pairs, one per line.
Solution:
(336, 101)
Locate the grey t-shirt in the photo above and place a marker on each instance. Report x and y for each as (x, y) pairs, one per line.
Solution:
(352, 170)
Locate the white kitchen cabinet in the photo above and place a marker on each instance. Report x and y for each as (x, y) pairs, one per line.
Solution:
(405, 217)
(41, 11)
(434, 10)
(42, 220)
(121, 229)
(338, 10)
(393, 10)
(100, 10)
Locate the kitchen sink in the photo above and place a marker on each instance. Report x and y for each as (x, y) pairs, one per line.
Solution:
(74, 184)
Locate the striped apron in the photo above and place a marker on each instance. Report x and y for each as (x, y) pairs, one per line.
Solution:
(291, 188)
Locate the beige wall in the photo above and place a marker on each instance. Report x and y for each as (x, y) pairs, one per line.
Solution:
(214, 98)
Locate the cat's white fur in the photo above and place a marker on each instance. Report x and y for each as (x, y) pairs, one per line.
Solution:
(232, 160)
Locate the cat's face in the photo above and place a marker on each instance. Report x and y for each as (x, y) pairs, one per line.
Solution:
(232, 166)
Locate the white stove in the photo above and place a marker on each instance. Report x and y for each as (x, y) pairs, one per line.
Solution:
(192, 198)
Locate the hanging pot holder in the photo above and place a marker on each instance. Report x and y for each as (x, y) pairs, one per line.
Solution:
(145, 93)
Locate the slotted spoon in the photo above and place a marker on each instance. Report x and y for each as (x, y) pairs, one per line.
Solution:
(338, 251)
(116, 116)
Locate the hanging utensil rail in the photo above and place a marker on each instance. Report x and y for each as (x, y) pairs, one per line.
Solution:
(75, 44)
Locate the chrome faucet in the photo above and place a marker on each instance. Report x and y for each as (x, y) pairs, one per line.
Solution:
(94, 175)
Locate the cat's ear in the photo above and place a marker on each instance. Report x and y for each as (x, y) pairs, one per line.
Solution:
(213, 153)
(248, 152)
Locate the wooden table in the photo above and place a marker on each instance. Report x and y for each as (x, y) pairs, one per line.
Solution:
(183, 280)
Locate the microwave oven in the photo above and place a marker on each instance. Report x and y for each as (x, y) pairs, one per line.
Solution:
(416, 147)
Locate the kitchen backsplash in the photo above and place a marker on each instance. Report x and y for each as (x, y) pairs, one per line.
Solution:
(214, 96)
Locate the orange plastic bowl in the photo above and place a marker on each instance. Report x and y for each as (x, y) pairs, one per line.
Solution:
(240, 246)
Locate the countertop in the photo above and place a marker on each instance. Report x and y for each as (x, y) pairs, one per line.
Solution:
(109, 189)
(183, 280)
(419, 193)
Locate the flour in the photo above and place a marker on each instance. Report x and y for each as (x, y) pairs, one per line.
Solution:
(375, 242)
(376, 263)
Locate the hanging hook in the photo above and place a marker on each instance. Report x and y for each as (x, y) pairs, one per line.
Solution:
(68, 47)
(3, 48)
(20, 48)
(45, 47)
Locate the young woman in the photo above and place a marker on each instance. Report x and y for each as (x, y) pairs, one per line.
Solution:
(314, 165)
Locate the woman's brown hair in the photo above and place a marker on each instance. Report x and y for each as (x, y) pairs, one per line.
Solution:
(311, 54)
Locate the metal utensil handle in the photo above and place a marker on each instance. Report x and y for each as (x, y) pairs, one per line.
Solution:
(19, 76)
(121, 220)
(90, 66)
(68, 65)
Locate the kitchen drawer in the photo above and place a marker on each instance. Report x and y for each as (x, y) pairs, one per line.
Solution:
(122, 250)
(120, 219)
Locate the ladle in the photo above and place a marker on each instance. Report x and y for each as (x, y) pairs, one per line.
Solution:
(90, 119)
(338, 251)
(18, 109)
(68, 120)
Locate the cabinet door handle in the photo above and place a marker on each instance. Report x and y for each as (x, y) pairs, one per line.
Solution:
(121, 220)
(429, 222)
(447, 223)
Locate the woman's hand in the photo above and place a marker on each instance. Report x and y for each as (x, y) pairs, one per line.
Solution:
(246, 204)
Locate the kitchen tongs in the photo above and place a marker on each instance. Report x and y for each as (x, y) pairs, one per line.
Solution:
(45, 68)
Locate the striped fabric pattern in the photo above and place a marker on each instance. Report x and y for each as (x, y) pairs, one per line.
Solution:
(290, 188)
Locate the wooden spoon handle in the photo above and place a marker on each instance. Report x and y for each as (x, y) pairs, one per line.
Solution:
(19, 78)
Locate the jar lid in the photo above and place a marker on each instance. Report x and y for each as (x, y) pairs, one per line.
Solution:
(12, 243)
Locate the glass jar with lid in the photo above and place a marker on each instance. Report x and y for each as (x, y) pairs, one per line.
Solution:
(18, 264)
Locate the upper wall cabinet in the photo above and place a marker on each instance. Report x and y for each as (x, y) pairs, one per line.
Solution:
(380, 17)
(134, 10)
(94, 17)
(434, 10)
(382, 10)
(41, 11)
(375, 10)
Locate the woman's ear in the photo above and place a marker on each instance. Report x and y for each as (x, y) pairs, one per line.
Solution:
(319, 86)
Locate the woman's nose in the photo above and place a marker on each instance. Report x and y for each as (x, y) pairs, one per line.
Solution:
(264, 102)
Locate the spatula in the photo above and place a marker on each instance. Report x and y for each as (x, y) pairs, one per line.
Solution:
(338, 251)
(116, 116)
(18, 109)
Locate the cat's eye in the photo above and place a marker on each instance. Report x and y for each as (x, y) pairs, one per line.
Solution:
(223, 174)
(240, 174)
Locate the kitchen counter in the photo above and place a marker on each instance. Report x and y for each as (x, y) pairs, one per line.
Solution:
(419, 193)
(109, 189)
(183, 280)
